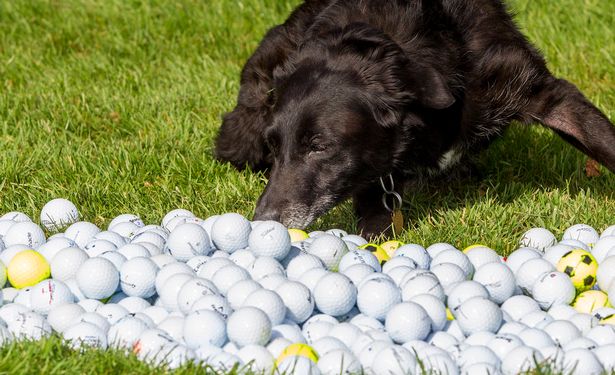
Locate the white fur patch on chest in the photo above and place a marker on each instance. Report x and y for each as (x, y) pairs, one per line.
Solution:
(449, 158)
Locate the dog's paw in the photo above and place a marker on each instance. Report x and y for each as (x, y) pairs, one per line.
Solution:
(375, 226)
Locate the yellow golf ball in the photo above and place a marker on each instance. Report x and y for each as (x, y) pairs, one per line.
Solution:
(297, 235)
(590, 300)
(300, 350)
(28, 268)
(473, 247)
(449, 314)
(391, 246)
(581, 266)
(378, 251)
(610, 320)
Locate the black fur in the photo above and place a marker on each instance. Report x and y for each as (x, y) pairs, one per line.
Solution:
(346, 91)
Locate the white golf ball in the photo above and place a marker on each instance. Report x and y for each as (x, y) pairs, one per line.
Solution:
(434, 308)
(520, 360)
(257, 358)
(204, 327)
(133, 250)
(137, 277)
(520, 256)
(230, 232)
(519, 306)
(151, 343)
(192, 291)
(455, 257)
(553, 288)
(360, 256)
(81, 232)
(112, 312)
(249, 326)
(65, 264)
(335, 294)
(298, 301)
(538, 238)
(376, 297)
(339, 361)
(63, 316)
(407, 321)
(498, 279)
(29, 326)
(228, 276)
(97, 278)
(238, 293)
(49, 293)
(126, 332)
(24, 233)
(269, 302)
(330, 249)
(169, 291)
(583, 233)
(478, 314)
(270, 238)
(188, 240)
(529, 272)
(415, 252)
(301, 264)
(482, 255)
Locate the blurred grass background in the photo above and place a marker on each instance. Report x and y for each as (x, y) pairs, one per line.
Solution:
(115, 105)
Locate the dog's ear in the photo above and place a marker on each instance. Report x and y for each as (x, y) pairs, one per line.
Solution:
(431, 88)
(559, 105)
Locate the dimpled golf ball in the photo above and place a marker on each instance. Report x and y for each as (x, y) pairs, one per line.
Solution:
(270, 238)
(47, 294)
(477, 315)
(186, 241)
(583, 233)
(137, 277)
(407, 321)
(66, 263)
(249, 326)
(330, 249)
(297, 299)
(204, 327)
(335, 294)
(553, 288)
(27, 268)
(230, 232)
(581, 267)
(498, 279)
(538, 238)
(24, 233)
(97, 278)
(58, 213)
(376, 297)
(81, 232)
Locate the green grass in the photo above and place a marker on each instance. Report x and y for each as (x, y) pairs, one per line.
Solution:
(114, 105)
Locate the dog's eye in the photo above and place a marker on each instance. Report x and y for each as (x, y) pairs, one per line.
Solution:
(317, 145)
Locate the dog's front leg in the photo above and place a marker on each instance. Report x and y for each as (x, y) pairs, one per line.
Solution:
(374, 217)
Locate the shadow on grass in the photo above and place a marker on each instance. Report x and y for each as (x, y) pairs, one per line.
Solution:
(526, 160)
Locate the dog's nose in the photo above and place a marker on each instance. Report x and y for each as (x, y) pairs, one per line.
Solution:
(266, 214)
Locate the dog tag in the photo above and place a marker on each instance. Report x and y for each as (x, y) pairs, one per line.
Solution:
(397, 218)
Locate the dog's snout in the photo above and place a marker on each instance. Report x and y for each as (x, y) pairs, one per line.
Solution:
(267, 214)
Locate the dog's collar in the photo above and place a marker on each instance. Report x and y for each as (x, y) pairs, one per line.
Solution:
(390, 194)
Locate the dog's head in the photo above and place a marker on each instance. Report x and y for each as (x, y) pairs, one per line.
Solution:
(342, 112)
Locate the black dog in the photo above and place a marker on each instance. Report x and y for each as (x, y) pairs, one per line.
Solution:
(348, 91)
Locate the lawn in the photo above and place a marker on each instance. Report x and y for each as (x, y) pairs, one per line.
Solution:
(115, 104)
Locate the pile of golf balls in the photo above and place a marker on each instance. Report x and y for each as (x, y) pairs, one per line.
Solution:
(231, 293)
